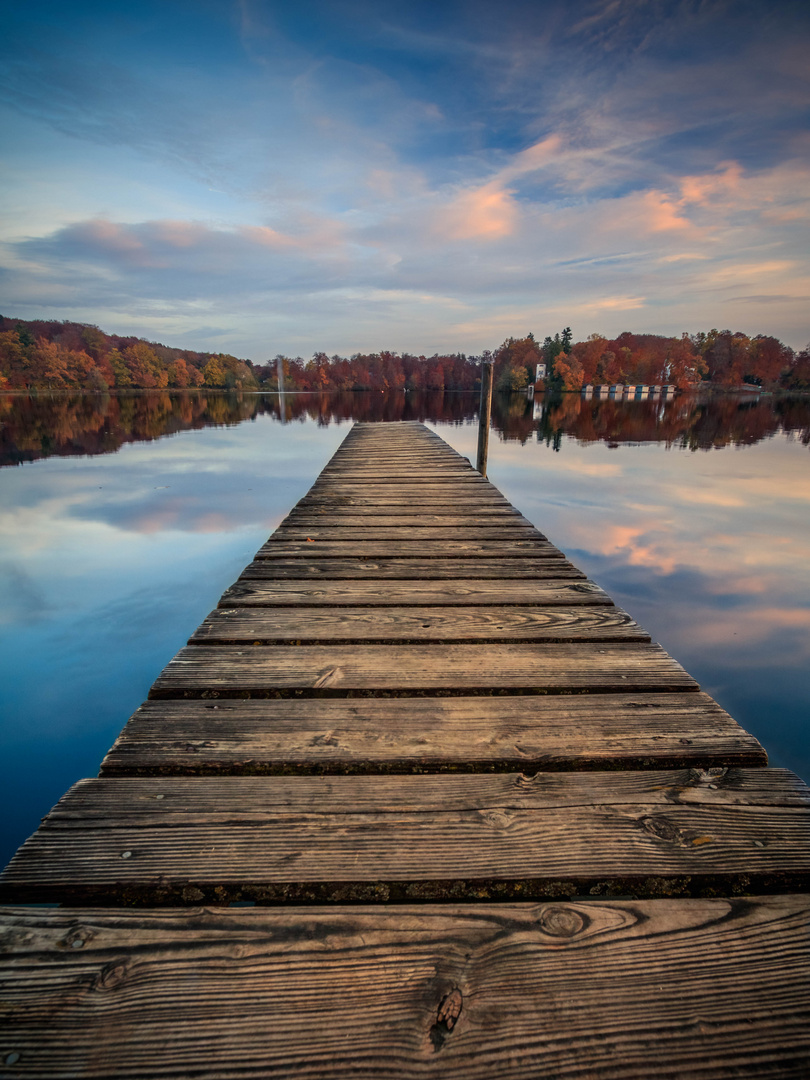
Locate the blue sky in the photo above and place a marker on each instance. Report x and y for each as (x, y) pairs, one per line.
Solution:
(261, 177)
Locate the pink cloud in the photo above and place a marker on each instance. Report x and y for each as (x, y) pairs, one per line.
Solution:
(267, 237)
(118, 240)
(180, 234)
(703, 190)
(535, 157)
(488, 213)
(663, 212)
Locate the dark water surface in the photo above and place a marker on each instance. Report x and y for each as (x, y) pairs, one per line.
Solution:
(130, 515)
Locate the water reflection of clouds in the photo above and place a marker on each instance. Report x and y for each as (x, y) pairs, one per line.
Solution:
(110, 563)
(22, 600)
(202, 483)
(708, 551)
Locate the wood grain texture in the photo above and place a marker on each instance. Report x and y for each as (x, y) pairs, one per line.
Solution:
(620, 990)
(400, 463)
(313, 530)
(430, 498)
(449, 492)
(257, 670)
(234, 625)
(462, 592)
(108, 802)
(630, 731)
(498, 519)
(279, 547)
(357, 512)
(353, 839)
(385, 453)
(413, 569)
(424, 476)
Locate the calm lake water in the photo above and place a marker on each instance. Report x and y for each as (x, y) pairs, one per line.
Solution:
(125, 518)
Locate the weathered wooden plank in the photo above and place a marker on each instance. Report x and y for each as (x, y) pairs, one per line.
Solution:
(356, 460)
(412, 432)
(389, 443)
(109, 802)
(618, 989)
(354, 449)
(399, 465)
(391, 514)
(384, 455)
(448, 490)
(357, 569)
(462, 592)
(380, 448)
(400, 461)
(319, 530)
(445, 494)
(503, 520)
(416, 477)
(356, 838)
(591, 731)
(388, 501)
(233, 625)
(256, 670)
(278, 547)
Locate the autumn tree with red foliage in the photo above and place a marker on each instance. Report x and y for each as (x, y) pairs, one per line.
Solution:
(54, 355)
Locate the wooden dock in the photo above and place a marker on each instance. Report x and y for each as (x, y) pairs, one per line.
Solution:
(416, 800)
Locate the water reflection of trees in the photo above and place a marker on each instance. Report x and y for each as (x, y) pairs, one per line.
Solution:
(41, 426)
(686, 422)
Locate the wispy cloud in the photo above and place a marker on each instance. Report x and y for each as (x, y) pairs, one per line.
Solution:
(595, 162)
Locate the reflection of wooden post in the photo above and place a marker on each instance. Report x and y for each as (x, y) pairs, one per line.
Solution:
(282, 410)
(484, 413)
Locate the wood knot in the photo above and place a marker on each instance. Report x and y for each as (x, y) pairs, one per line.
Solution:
(111, 975)
(498, 819)
(662, 828)
(328, 678)
(446, 1018)
(327, 739)
(709, 777)
(562, 922)
(450, 1009)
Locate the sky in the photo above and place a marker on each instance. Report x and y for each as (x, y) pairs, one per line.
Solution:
(262, 177)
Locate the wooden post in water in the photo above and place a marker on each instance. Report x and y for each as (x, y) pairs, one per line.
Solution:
(484, 413)
(282, 408)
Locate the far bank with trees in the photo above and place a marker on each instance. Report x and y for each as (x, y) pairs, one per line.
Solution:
(59, 355)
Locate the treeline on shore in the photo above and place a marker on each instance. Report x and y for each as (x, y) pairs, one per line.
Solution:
(61, 355)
